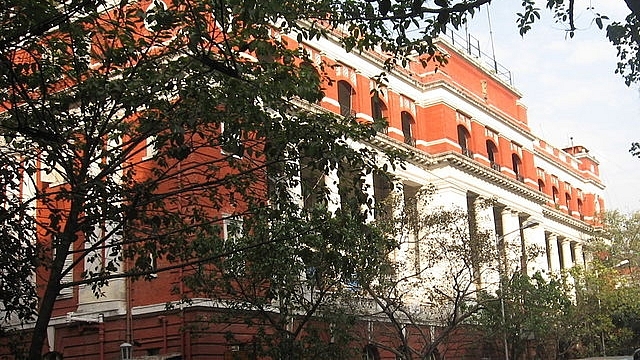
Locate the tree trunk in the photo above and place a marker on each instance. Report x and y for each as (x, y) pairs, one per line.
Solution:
(634, 6)
(48, 300)
(44, 315)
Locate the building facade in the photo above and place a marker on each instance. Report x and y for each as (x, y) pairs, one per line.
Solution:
(467, 135)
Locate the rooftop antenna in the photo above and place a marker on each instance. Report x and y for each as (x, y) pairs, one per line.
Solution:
(493, 49)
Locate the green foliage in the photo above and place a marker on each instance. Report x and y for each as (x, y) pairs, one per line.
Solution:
(581, 312)
(534, 308)
(89, 87)
(122, 108)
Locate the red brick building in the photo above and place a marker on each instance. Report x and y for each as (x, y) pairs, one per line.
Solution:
(468, 135)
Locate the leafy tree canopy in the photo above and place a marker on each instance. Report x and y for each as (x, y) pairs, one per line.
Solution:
(121, 109)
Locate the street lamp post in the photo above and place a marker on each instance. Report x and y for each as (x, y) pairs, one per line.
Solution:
(503, 267)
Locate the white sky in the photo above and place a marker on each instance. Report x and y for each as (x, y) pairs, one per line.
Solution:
(570, 88)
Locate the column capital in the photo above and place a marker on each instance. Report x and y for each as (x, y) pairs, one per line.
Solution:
(509, 210)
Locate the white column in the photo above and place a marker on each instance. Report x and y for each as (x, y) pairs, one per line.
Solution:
(296, 191)
(332, 180)
(565, 246)
(371, 199)
(554, 259)
(535, 247)
(579, 255)
(402, 253)
(485, 223)
(442, 264)
(511, 240)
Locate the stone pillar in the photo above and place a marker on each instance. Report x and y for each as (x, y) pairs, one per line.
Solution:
(565, 246)
(535, 248)
(553, 257)
(511, 243)
(296, 191)
(485, 226)
(579, 255)
(371, 198)
(446, 267)
(331, 181)
(402, 253)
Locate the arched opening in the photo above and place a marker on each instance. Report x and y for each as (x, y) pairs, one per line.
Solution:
(407, 128)
(379, 111)
(492, 154)
(567, 201)
(463, 140)
(555, 194)
(516, 164)
(580, 209)
(309, 73)
(345, 98)
(540, 185)
(152, 12)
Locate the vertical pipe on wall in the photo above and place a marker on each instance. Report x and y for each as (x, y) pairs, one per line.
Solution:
(101, 335)
(163, 320)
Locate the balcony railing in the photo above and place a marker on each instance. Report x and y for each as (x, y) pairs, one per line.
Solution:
(384, 130)
(495, 166)
(409, 140)
(468, 153)
(471, 45)
(520, 177)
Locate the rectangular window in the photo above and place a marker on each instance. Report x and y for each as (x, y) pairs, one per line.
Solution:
(231, 140)
(232, 228)
(68, 277)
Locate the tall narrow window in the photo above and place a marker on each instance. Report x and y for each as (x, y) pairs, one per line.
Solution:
(231, 139)
(232, 233)
(463, 141)
(67, 270)
(232, 228)
(580, 209)
(382, 187)
(407, 128)
(567, 201)
(378, 111)
(350, 187)
(554, 194)
(540, 185)
(313, 186)
(492, 154)
(345, 98)
(517, 165)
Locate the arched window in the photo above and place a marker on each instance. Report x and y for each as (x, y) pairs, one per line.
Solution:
(345, 98)
(463, 141)
(407, 128)
(517, 166)
(567, 201)
(580, 209)
(378, 110)
(540, 185)
(555, 194)
(309, 73)
(152, 12)
(492, 154)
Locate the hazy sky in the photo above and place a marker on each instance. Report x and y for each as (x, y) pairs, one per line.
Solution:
(571, 90)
